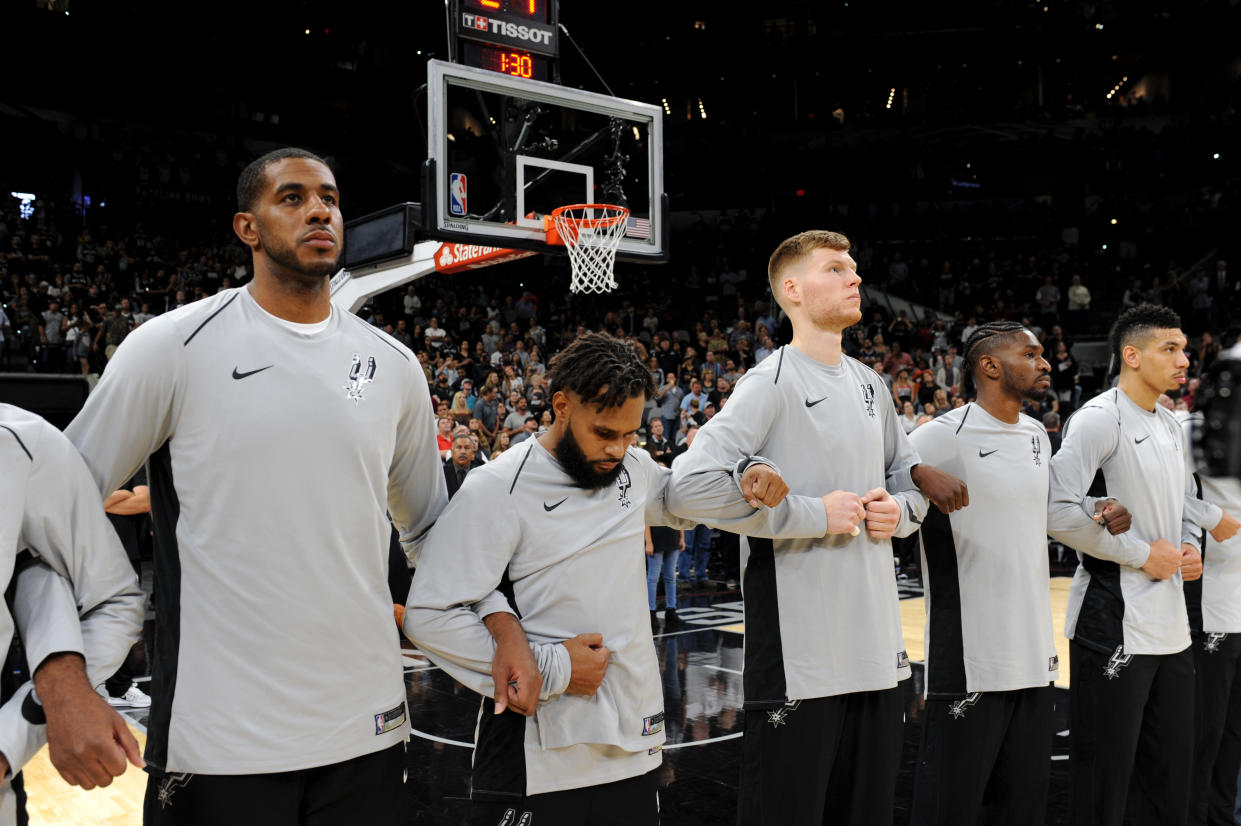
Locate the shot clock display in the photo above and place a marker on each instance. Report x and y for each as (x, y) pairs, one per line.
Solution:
(514, 62)
(527, 9)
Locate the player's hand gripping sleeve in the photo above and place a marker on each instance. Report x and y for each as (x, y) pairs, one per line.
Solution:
(462, 562)
(899, 457)
(703, 488)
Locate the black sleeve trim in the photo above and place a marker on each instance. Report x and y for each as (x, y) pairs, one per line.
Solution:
(519, 469)
(965, 416)
(32, 711)
(779, 367)
(379, 336)
(209, 318)
(25, 449)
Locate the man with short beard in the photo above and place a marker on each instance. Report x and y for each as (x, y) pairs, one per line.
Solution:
(567, 512)
(991, 658)
(278, 432)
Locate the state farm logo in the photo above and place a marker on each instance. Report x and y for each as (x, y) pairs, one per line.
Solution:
(527, 34)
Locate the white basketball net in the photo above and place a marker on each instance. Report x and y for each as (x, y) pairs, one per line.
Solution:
(591, 233)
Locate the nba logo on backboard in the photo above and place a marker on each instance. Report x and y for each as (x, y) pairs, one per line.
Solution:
(456, 194)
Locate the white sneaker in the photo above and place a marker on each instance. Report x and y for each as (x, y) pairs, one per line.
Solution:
(133, 698)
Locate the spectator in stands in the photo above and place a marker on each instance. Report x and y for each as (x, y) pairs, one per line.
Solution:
(948, 376)
(501, 444)
(461, 458)
(529, 428)
(908, 418)
(903, 389)
(1079, 305)
(443, 435)
(1051, 423)
(897, 358)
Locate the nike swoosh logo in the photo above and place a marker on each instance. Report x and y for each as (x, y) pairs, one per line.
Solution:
(550, 508)
(239, 375)
(982, 455)
(1138, 441)
(816, 401)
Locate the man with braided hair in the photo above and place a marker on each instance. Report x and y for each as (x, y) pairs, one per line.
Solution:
(987, 731)
(1132, 693)
(824, 652)
(565, 545)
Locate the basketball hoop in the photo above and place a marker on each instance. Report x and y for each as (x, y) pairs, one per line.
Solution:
(591, 234)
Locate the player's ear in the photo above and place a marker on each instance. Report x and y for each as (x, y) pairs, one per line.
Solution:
(247, 229)
(560, 405)
(989, 366)
(791, 289)
(1131, 356)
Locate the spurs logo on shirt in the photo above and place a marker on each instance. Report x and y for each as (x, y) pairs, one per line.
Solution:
(357, 379)
(868, 396)
(1037, 450)
(1211, 646)
(623, 483)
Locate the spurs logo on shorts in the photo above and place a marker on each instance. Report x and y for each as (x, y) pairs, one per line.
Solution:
(169, 785)
(868, 397)
(957, 708)
(779, 716)
(510, 818)
(623, 483)
(1116, 662)
(1211, 644)
(357, 379)
(1038, 451)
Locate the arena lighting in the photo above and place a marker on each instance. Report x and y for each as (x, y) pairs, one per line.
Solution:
(1114, 222)
(667, 108)
(1216, 156)
(1098, 27)
(891, 95)
(26, 204)
(637, 136)
(702, 110)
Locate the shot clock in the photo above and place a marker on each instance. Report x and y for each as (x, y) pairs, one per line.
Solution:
(512, 37)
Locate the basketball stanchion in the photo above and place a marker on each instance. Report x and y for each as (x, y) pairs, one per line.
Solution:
(591, 234)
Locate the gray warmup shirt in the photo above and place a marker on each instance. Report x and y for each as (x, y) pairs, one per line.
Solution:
(575, 562)
(1217, 608)
(274, 457)
(985, 566)
(822, 615)
(1112, 447)
(50, 506)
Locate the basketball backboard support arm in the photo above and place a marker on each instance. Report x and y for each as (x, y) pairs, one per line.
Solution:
(350, 290)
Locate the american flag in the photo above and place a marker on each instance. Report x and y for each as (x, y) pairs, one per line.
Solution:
(637, 227)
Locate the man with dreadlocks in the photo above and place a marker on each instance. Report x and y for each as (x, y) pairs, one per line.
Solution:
(991, 659)
(824, 652)
(565, 545)
(1132, 693)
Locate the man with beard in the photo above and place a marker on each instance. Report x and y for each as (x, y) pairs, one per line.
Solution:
(1132, 694)
(280, 431)
(564, 542)
(991, 659)
(824, 652)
